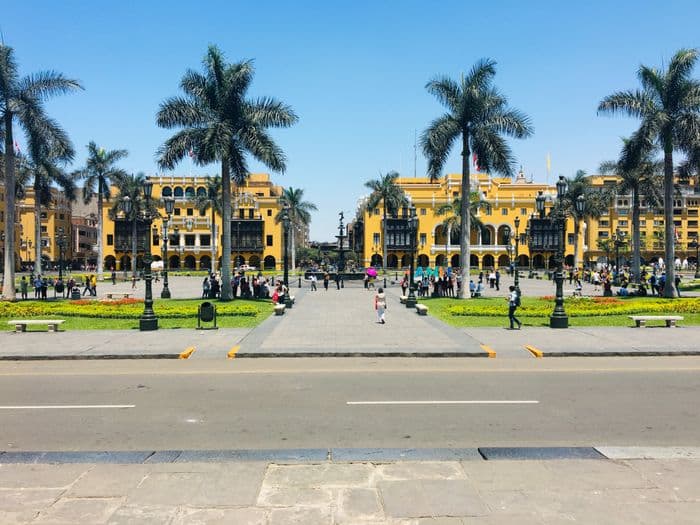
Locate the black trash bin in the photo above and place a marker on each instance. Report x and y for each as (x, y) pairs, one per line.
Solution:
(75, 293)
(206, 314)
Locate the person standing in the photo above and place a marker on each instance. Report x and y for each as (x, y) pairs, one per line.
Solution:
(93, 285)
(337, 280)
(312, 278)
(380, 305)
(498, 281)
(513, 303)
(23, 287)
(326, 278)
(114, 277)
(206, 287)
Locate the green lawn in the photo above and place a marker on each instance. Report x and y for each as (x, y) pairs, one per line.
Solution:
(116, 315)
(582, 312)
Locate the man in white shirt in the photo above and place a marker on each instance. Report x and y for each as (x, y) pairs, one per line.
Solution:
(513, 303)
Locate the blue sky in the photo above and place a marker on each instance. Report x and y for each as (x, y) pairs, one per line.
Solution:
(355, 73)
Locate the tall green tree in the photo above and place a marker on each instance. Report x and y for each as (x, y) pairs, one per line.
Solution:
(391, 196)
(299, 212)
(595, 202)
(100, 173)
(211, 201)
(668, 105)
(130, 187)
(453, 213)
(640, 175)
(46, 161)
(219, 124)
(22, 103)
(479, 117)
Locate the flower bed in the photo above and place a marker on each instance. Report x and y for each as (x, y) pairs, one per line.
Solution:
(588, 307)
(121, 309)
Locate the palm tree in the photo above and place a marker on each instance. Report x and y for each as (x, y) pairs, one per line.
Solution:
(219, 124)
(668, 106)
(478, 114)
(100, 171)
(21, 102)
(211, 200)
(44, 163)
(131, 187)
(299, 212)
(595, 203)
(391, 195)
(639, 175)
(453, 212)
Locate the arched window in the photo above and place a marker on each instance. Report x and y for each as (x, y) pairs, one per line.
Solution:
(201, 191)
(178, 192)
(189, 192)
(167, 191)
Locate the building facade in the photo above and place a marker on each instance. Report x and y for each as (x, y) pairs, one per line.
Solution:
(194, 236)
(55, 228)
(437, 244)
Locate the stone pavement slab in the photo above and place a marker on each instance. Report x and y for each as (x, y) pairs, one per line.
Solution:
(391, 493)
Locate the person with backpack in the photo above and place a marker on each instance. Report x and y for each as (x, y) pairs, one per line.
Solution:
(513, 303)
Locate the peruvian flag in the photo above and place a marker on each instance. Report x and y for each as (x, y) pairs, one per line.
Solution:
(475, 160)
(17, 150)
(191, 153)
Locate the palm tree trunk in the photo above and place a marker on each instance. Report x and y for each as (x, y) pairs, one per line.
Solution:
(213, 239)
(134, 253)
(100, 226)
(465, 226)
(670, 237)
(635, 236)
(292, 240)
(226, 291)
(384, 238)
(37, 229)
(8, 290)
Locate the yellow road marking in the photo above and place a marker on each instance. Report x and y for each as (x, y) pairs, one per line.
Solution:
(232, 353)
(534, 351)
(489, 350)
(187, 353)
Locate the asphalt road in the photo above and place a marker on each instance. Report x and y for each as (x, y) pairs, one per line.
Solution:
(308, 403)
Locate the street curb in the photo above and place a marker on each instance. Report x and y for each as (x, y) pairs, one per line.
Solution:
(311, 455)
(622, 353)
(187, 353)
(69, 357)
(256, 355)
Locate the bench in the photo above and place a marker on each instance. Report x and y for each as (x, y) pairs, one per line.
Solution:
(21, 325)
(640, 320)
(118, 295)
(279, 309)
(403, 298)
(421, 309)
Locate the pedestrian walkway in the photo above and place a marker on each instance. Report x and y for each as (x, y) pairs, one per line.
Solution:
(319, 492)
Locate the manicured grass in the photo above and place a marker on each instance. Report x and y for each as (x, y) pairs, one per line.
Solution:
(582, 312)
(124, 314)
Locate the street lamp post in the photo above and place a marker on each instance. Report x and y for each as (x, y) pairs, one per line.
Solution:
(580, 208)
(286, 224)
(148, 320)
(618, 239)
(559, 319)
(169, 206)
(516, 281)
(61, 243)
(695, 244)
(412, 228)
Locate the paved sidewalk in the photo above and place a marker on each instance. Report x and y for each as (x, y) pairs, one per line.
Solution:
(654, 492)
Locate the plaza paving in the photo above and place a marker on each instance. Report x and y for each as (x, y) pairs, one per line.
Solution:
(343, 323)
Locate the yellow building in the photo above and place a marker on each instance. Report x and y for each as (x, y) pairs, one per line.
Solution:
(55, 221)
(256, 240)
(616, 225)
(2, 233)
(439, 246)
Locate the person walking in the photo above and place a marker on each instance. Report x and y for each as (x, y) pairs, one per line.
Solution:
(380, 305)
(206, 287)
(133, 282)
(114, 277)
(513, 303)
(338, 280)
(93, 285)
(498, 281)
(313, 279)
(326, 278)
